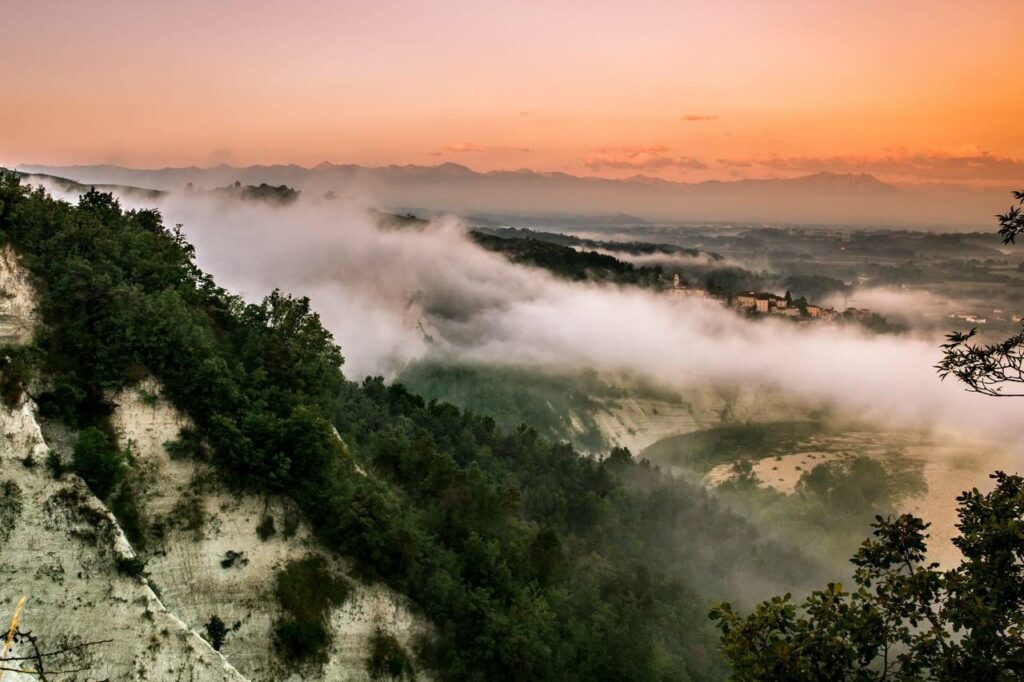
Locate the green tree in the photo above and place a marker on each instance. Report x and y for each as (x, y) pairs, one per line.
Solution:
(98, 462)
(906, 619)
(995, 369)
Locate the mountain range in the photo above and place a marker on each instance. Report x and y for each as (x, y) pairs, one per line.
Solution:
(820, 198)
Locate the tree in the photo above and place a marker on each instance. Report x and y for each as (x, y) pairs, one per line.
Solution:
(97, 461)
(906, 619)
(990, 369)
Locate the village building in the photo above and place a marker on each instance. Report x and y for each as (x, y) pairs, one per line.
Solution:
(677, 289)
(747, 299)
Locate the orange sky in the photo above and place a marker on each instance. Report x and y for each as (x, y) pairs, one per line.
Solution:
(911, 91)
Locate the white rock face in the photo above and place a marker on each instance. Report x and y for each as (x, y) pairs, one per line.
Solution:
(637, 423)
(59, 551)
(59, 546)
(17, 303)
(194, 584)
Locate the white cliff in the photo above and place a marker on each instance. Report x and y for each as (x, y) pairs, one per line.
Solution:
(60, 547)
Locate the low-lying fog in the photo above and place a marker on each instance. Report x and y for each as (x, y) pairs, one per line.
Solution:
(393, 296)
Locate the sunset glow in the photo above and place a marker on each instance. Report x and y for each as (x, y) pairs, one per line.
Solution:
(910, 92)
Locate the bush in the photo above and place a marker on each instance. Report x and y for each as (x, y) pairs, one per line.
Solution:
(306, 591)
(16, 367)
(10, 508)
(126, 505)
(188, 514)
(388, 660)
(55, 464)
(133, 566)
(187, 445)
(216, 631)
(98, 462)
(232, 559)
(266, 529)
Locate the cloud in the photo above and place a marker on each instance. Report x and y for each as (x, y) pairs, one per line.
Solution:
(962, 164)
(384, 292)
(696, 118)
(470, 147)
(645, 157)
(736, 163)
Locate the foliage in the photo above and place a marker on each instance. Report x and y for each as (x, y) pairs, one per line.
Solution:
(907, 620)
(126, 505)
(188, 513)
(989, 368)
(133, 566)
(10, 508)
(98, 462)
(306, 590)
(1011, 223)
(216, 632)
(55, 464)
(388, 660)
(531, 561)
(569, 263)
(17, 365)
(558, 406)
(265, 529)
(280, 194)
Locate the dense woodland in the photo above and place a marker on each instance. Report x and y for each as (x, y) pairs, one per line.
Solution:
(567, 262)
(533, 561)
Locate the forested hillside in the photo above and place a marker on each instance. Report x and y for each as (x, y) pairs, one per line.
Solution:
(532, 561)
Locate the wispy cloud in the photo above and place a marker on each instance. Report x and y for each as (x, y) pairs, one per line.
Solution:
(644, 157)
(697, 118)
(471, 147)
(963, 163)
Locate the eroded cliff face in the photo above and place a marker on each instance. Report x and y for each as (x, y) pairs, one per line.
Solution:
(17, 303)
(61, 548)
(206, 524)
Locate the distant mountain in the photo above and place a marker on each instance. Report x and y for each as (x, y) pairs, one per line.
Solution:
(821, 198)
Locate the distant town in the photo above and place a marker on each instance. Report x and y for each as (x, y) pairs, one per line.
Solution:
(767, 303)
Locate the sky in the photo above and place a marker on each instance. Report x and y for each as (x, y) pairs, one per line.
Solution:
(912, 92)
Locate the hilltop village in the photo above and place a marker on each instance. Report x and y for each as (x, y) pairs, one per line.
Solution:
(766, 303)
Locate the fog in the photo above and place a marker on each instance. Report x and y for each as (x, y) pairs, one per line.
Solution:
(394, 296)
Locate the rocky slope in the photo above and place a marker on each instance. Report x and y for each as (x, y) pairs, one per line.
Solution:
(61, 548)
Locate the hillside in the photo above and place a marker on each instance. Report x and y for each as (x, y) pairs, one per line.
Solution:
(248, 479)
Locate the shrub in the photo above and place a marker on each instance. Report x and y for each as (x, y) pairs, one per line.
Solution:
(126, 504)
(266, 529)
(233, 558)
(306, 590)
(55, 464)
(10, 508)
(133, 566)
(388, 660)
(292, 519)
(187, 445)
(98, 462)
(188, 514)
(216, 631)
(16, 366)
